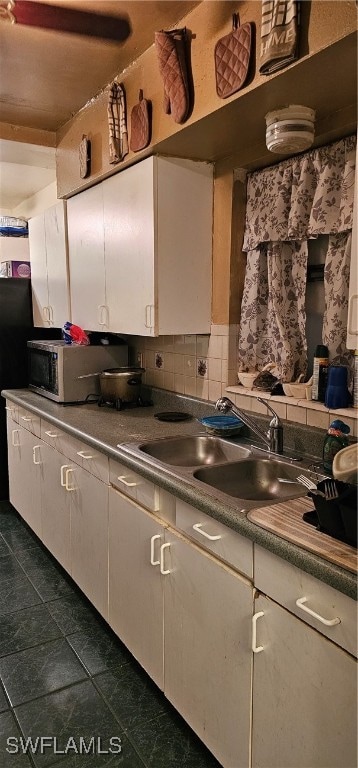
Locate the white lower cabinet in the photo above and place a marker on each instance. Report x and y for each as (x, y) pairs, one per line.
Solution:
(263, 669)
(304, 695)
(25, 474)
(135, 586)
(207, 648)
(89, 536)
(170, 601)
(56, 505)
(75, 523)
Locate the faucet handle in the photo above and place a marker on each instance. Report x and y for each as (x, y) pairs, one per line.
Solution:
(223, 404)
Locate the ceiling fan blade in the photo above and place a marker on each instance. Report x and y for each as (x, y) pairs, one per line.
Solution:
(70, 20)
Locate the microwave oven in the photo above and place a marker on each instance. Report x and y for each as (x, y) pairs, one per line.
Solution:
(63, 372)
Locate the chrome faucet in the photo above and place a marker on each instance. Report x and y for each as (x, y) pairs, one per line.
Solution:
(273, 438)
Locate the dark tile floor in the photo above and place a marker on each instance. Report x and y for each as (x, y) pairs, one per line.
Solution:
(65, 675)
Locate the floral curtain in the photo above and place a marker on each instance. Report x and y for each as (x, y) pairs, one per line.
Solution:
(288, 204)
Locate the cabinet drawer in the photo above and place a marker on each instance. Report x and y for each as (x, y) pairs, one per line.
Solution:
(287, 584)
(12, 411)
(30, 421)
(96, 462)
(61, 440)
(223, 542)
(131, 484)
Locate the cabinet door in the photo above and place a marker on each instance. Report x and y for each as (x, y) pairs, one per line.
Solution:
(86, 259)
(89, 536)
(37, 245)
(135, 585)
(129, 248)
(25, 470)
(55, 507)
(207, 648)
(304, 695)
(56, 259)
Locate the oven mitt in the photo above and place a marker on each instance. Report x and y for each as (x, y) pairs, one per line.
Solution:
(173, 67)
(232, 58)
(140, 124)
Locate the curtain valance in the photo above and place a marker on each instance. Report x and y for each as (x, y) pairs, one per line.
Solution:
(302, 197)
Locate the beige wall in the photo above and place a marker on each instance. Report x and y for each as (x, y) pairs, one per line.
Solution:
(37, 203)
(322, 23)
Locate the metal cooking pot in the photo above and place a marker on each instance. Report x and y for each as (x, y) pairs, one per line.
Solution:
(121, 384)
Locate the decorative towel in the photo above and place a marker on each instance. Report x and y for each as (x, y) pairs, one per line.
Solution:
(279, 34)
(171, 47)
(117, 124)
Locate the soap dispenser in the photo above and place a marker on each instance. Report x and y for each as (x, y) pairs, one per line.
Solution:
(335, 440)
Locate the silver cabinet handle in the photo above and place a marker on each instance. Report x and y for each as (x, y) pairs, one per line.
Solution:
(51, 434)
(327, 622)
(198, 526)
(256, 648)
(26, 418)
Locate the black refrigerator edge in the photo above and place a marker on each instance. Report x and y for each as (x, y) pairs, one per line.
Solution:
(16, 328)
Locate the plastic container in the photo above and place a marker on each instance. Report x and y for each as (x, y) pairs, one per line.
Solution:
(345, 464)
(320, 373)
(337, 393)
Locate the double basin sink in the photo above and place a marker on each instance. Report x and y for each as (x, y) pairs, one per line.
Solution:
(228, 467)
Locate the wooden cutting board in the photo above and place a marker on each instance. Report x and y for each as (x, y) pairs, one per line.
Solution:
(285, 520)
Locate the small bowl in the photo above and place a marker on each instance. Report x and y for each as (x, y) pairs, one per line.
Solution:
(287, 389)
(247, 379)
(221, 425)
(298, 390)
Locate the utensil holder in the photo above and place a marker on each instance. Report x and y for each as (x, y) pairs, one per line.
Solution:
(338, 517)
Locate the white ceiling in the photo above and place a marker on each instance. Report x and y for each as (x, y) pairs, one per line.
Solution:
(24, 170)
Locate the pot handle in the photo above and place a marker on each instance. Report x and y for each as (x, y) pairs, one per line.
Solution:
(133, 382)
(89, 375)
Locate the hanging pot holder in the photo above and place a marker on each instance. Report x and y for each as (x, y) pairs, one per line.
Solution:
(140, 124)
(85, 157)
(232, 58)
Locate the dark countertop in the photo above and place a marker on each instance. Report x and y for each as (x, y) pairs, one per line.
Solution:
(106, 429)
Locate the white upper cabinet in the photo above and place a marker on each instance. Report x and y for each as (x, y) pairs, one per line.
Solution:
(49, 269)
(140, 248)
(86, 258)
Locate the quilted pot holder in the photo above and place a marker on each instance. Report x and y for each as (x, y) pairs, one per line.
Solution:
(232, 58)
(140, 124)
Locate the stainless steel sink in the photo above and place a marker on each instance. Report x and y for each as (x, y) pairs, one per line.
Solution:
(194, 451)
(254, 479)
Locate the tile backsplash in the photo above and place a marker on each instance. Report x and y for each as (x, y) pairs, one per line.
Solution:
(200, 366)
(205, 366)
